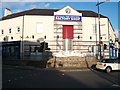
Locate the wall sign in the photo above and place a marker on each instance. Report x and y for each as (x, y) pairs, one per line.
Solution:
(67, 18)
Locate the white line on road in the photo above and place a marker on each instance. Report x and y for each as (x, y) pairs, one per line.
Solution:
(74, 70)
(115, 85)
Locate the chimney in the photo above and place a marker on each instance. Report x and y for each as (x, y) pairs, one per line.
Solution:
(7, 12)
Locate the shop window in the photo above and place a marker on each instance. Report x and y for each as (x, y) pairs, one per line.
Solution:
(32, 48)
(10, 30)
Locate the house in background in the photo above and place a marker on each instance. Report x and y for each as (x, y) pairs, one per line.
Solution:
(63, 30)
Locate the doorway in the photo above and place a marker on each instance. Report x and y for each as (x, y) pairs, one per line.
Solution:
(67, 35)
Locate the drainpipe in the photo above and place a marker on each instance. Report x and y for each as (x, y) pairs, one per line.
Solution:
(109, 38)
(23, 38)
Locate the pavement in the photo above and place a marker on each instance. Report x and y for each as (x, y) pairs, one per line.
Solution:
(37, 68)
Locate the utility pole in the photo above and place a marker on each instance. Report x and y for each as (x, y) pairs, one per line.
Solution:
(98, 7)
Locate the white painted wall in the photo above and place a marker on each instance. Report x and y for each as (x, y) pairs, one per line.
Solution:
(88, 29)
(112, 33)
(30, 28)
(63, 11)
(12, 23)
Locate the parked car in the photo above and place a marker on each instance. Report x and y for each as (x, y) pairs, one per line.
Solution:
(108, 65)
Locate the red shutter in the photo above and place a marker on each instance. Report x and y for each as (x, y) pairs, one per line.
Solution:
(67, 32)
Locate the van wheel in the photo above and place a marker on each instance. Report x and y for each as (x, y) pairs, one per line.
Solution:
(108, 69)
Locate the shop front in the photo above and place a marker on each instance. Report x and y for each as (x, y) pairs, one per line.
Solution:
(113, 51)
(11, 50)
(67, 29)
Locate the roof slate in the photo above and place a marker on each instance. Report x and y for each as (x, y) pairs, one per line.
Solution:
(49, 12)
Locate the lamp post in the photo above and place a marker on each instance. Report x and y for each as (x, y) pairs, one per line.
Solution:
(98, 3)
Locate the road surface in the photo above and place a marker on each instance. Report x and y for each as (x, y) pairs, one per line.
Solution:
(13, 77)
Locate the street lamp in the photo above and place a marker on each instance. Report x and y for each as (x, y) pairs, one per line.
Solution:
(98, 3)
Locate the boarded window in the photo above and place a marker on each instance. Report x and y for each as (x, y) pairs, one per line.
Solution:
(39, 27)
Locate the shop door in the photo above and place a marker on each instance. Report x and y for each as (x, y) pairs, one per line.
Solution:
(67, 35)
(68, 32)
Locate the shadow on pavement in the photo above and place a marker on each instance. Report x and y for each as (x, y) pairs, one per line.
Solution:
(17, 78)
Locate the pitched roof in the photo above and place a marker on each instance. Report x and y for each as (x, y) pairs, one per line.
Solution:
(49, 12)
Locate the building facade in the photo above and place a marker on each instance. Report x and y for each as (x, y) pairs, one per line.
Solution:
(63, 30)
(119, 44)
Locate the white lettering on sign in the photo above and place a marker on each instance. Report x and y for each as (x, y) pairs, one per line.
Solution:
(67, 18)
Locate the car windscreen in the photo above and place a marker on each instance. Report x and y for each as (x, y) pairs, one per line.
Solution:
(109, 61)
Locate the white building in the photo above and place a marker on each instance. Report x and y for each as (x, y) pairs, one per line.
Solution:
(66, 29)
(119, 35)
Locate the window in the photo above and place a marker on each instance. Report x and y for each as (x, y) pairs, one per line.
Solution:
(10, 30)
(44, 37)
(18, 29)
(12, 38)
(2, 31)
(90, 37)
(33, 36)
(4, 38)
(57, 36)
(105, 46)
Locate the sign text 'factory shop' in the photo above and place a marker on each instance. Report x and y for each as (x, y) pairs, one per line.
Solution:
(67, 18)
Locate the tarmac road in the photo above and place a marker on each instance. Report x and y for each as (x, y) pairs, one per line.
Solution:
(22, 77)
